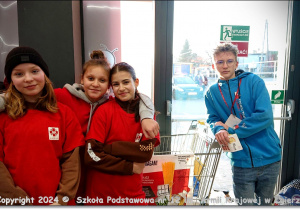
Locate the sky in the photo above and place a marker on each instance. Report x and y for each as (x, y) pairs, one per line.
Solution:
(200, 23)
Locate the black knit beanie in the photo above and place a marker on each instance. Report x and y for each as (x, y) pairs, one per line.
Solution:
(20, 55)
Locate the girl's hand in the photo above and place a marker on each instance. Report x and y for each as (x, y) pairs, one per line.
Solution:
(138, 168)
(150, 128)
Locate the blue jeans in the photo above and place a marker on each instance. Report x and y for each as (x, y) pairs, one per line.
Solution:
(255, 186)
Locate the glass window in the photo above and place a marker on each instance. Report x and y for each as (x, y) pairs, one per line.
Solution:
(197, 31)
(124, 30)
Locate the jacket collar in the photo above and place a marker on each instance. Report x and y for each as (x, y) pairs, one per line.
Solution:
(77, 90)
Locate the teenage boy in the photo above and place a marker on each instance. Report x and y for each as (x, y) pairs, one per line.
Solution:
(239, 103)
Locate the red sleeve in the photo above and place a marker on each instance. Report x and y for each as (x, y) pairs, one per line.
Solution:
(62, 95)
(73, 135)
(3, 116)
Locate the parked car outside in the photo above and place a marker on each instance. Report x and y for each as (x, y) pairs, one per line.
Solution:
(184, 87)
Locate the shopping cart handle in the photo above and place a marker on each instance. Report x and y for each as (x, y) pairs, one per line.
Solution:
(215, 144)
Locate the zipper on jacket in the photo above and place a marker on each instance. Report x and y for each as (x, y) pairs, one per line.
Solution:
(227, 81)
(250, 154)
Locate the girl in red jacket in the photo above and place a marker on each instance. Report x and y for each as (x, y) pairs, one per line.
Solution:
(39, 138)
(86, 97)
(116, 149)
(93, 91)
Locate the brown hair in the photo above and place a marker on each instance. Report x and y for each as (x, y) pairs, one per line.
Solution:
(15, 102)
(97, 59)
(226, 47)
(123, 66)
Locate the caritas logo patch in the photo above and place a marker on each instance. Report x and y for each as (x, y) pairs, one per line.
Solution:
(53, 133)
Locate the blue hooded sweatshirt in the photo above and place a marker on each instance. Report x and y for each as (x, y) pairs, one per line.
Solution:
(261, 145)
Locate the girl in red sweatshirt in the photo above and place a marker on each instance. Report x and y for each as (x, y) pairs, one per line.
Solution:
(39, 138)
(116, 149)
(93, 91)
(86, 97)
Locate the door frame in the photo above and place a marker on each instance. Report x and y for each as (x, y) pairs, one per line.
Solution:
(163, 62)
(291, 143)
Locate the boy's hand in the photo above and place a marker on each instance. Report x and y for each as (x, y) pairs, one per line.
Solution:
(222, 138)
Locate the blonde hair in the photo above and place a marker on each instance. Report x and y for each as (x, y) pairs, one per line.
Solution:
(15, 102)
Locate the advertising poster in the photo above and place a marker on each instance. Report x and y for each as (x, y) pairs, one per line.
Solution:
(169, 179)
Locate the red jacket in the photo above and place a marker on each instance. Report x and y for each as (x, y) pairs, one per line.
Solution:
(112, 177)
(32, 146)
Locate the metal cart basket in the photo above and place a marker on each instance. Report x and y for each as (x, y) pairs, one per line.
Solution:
(206, 152)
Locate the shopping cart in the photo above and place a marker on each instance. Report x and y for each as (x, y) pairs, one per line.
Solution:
(200, 142)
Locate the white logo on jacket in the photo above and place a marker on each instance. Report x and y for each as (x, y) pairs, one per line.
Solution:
(53, 133)
(138, 137)
(92, 154)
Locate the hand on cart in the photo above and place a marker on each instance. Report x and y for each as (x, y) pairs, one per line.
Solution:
(222, 136)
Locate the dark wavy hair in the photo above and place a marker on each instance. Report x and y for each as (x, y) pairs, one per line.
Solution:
(123, 66)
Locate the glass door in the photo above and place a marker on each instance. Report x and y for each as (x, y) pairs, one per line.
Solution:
(124, 31)
(198, 27)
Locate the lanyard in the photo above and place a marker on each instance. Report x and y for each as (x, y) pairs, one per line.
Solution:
(236, 95)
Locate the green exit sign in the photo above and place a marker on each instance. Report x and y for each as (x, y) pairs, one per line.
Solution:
(234, 33)
(277, 97)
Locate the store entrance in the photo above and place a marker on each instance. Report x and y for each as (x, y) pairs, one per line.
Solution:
(198, 27)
